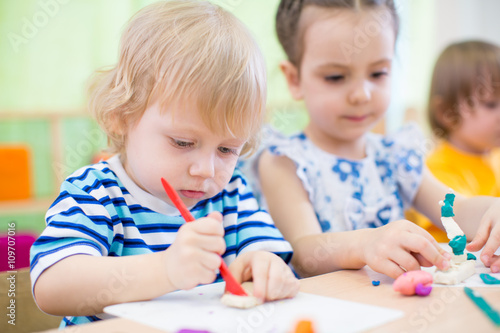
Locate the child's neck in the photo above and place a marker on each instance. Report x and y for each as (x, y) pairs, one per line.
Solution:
(467, 148)
(348, 149)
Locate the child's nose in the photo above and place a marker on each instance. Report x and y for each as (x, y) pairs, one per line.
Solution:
(203, 166)
(360, 93)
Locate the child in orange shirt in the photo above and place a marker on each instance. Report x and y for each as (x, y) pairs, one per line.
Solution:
(464, 112)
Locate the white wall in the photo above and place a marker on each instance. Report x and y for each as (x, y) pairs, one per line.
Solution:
(428, 26)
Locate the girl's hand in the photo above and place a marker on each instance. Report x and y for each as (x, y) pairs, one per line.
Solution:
(488, 235)
(272, 278)
(194, 256)
(399, 246)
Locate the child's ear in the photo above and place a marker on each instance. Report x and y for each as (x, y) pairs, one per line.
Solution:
(116, 124)
(442, 116)
(451, 116)
(292, 79)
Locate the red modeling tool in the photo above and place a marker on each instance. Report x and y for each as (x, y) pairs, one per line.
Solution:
(231, 284)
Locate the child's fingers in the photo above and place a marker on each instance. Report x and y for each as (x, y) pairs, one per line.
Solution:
(491, 246)
(210, 261)
(214, 244)
(421, 260)
(282, 283)
(260, 277)
(480, 238)
(389, 268)
(206, 226)
(198, 236)
(495, 264)
(275, 284)
(215, 215)
(429, 249)
(405, 260)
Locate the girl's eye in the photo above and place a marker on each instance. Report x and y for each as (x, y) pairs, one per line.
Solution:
(182, 144)
(334, 78)
(491, 105)
(378, 75)
(228, 151)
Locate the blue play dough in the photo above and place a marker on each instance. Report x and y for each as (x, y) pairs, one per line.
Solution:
(375, 283)
(488, 279)
(458, 244)
(470, 256)
(447, 209)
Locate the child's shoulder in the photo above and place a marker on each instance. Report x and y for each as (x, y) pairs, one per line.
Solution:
(91, 174)
(408, 138)
(238, 178)
(294, 146)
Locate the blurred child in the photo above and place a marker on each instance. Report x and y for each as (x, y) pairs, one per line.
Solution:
(336, 191)
(464, 111)
(186, 98)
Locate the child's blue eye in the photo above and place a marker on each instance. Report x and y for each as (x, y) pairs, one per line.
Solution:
(182, 144)
(226, 150)
(334, 78)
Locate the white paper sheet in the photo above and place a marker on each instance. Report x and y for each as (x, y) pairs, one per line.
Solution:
(201, 309)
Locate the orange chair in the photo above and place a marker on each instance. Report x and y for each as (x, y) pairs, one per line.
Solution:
(15, 177)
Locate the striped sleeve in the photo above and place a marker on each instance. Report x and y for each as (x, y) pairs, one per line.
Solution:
(77, 223)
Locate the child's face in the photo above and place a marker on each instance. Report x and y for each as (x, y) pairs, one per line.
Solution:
(177, 145)
(345, 73)
(479, 129)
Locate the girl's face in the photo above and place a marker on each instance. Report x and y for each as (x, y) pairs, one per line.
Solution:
(177, 145)
(345, 73)
(479, 129)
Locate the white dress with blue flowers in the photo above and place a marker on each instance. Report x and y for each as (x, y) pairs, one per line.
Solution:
(354, 194)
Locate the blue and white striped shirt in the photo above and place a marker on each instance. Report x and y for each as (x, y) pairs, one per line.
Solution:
(100, 211)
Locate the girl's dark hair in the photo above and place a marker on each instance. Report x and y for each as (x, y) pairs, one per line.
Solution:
(290, 11)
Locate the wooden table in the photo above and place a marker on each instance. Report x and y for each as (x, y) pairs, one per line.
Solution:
(446, 309)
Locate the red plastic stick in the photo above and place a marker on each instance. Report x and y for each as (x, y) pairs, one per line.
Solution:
(231, 284)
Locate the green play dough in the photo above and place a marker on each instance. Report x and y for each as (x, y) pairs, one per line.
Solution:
(457, 244)
(470, 256)
(447, 208)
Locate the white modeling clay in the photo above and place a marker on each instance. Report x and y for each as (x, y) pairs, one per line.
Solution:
(456, 273)
(451, 227)
(458, 259)
(461, 268)
(241, 302)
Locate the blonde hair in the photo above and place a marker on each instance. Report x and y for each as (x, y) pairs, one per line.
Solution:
(465, 72)
(175, 51)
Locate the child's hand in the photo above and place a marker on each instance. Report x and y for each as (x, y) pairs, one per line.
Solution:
(194, 256)
(272, 278)
(488, 235)
(402, 245)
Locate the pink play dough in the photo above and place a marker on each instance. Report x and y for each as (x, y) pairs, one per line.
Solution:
(407, 283)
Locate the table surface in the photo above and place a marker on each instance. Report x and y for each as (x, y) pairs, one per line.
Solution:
(446, 309)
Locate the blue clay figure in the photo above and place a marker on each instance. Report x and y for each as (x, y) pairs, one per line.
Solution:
(447, 208)
(458, 244)
(470, 256)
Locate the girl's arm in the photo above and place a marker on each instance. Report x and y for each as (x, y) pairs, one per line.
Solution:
(386, 249)
(288, 202)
